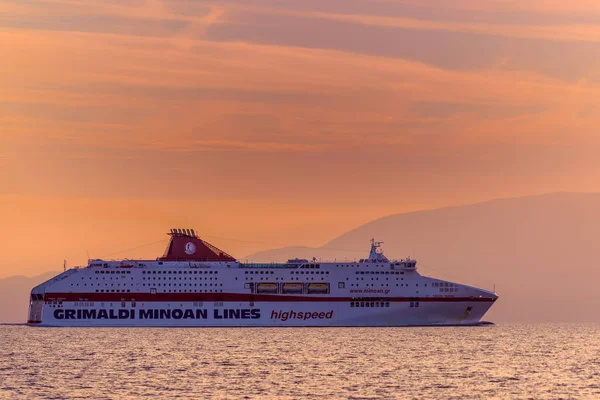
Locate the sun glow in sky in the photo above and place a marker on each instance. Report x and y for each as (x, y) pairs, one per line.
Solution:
(280, 122)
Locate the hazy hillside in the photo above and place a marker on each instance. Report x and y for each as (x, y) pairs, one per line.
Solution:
(14, 296)
(541, 252)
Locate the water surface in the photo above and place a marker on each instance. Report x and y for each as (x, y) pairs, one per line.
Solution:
(502, 361)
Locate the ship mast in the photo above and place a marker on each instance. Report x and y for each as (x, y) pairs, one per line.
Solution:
(376, 253)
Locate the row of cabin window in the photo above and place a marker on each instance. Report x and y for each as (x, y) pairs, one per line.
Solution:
(117, 278)
(369, 304)
(112, 272)
(83, 304)
(185, 278)
(443, 284)
(192, 291)
(259, 272)
(180, 272)
(105, 284)
(112, 291)
(311, 272)
(378, 272)
(374, 279)
(292, 272)
(361, 262)
(185, 284)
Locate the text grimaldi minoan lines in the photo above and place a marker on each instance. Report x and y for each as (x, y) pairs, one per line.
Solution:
(177, 313)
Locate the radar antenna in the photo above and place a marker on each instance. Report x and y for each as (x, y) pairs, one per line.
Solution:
(376, 253)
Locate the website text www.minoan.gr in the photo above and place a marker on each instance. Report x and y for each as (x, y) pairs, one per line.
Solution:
(369, 291)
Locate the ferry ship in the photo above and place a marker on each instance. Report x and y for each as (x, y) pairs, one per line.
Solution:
(196, 284)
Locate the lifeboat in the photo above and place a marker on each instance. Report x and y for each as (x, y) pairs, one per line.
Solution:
(318, 288)
(264, 287)
(292, 288)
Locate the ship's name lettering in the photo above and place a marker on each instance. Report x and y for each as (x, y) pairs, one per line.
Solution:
(153, 313)
(303, 315)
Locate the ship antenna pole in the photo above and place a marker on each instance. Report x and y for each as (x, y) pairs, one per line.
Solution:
(64, 265)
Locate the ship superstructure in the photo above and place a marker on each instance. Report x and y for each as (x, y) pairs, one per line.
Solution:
(196, 284)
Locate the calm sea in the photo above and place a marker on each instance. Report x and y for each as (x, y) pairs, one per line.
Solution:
(502, 361)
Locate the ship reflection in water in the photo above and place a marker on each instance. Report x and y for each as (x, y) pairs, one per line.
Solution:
(516, 361)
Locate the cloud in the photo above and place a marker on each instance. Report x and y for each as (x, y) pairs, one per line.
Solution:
(571, 32)
(305, 102)
(446, 45)
(97, 23)
(536, 12)
(298, 98)
(192, 146)
(72, 113)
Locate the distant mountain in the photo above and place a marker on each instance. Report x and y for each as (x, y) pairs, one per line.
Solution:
(540, 252)
(14, 296)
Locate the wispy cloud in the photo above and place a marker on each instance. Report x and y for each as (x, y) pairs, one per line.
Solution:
(192, 146)
(312, 95)
(571, 32)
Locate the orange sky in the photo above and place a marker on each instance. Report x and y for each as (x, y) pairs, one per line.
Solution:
(280, 122)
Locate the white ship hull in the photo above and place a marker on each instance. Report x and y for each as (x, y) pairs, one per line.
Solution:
(190, 314)
(214, 289)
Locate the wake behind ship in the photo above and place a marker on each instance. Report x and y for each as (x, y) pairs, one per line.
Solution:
(196, 284)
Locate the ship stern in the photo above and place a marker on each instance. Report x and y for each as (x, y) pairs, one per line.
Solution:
(36, 307)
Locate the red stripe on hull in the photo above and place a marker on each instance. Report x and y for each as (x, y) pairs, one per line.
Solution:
(241, 297)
